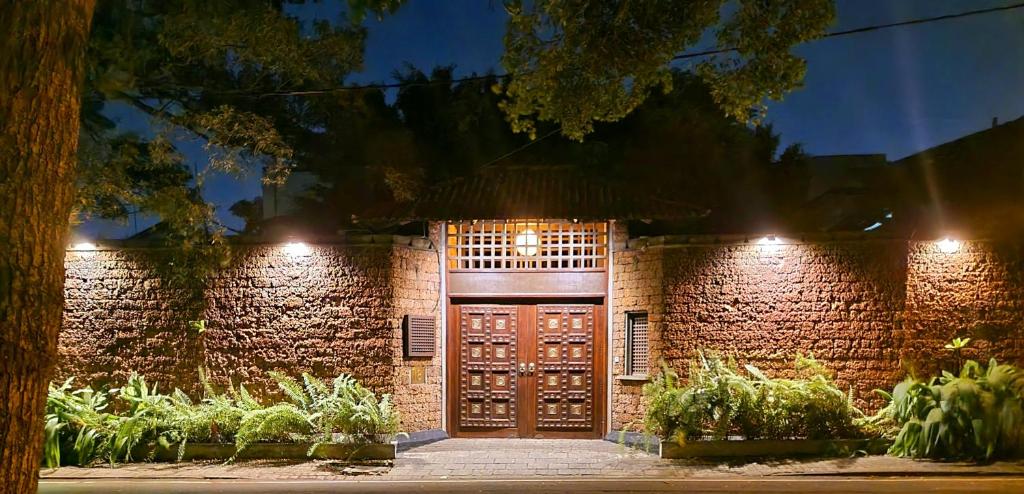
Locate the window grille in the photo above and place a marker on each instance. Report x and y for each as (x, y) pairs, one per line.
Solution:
(637, 346)
(527, 245)
(418, 336)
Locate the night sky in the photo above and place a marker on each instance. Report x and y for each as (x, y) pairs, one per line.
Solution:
(894, 91)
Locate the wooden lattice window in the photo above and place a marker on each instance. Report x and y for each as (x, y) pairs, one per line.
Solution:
(637, 344)
(527, 245)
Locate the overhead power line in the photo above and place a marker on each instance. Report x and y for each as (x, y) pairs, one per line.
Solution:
(866, 29)
(520, 148)
(833, 34)
(683, 56)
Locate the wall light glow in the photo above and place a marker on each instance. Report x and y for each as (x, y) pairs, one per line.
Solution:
(527, 242)
(83, 246)
(296, 249)
(769, 243)
(948, 245)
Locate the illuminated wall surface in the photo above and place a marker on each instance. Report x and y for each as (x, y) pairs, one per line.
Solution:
(324, 309)
(862, 307)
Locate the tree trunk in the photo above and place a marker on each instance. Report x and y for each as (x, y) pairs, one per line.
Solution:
(42, 52)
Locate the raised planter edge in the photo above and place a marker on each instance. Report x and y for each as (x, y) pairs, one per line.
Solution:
(266, 451)
(779, 448)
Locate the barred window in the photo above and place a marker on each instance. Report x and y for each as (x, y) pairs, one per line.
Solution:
(637, 346)
(527, 245)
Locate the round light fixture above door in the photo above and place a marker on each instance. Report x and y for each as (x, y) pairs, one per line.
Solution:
(527, 243)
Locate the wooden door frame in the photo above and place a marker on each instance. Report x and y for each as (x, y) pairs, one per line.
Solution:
(527, 311)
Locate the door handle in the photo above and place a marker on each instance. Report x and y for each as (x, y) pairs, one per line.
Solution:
(533, 367)
(522, 368)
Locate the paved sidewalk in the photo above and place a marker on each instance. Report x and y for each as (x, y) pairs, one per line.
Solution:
(534, 458)
(490, 458)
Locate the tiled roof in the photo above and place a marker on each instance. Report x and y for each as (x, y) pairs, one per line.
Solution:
(547, 192)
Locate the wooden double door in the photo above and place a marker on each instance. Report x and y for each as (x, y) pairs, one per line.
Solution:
(526, 370)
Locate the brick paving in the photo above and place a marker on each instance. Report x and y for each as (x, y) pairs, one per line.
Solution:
(532, 458)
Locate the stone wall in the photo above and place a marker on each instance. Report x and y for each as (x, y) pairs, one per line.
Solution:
(337, 309)
(869, 310)
(416, 283)
(842, 302)
(977, 291)
(637, 286)
(119, 318)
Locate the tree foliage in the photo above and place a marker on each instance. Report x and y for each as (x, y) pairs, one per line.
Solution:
(190, 68)
(203, 70)
(678, 144)
(578, 62)
(198, 70)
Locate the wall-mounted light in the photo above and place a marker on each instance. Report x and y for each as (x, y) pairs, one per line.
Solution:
(527, 243)
(948, 245)
(769, 243)
(83, 246)
(296, 249)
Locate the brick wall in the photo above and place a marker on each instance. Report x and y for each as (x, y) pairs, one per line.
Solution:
(338, 309)
(867, 309)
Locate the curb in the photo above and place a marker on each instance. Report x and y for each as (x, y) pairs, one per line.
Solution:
(374, 478)
(969, 473)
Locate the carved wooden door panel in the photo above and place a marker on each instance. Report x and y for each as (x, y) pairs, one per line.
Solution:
(526, 370)
(488, 381)
(565, 380)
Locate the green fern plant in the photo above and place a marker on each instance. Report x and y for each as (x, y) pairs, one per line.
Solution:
(720, 401)
(79, 430)
(282, 422)
(345, 407)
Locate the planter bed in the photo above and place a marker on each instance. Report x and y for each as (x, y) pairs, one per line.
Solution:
(268, 451)
(772, 448)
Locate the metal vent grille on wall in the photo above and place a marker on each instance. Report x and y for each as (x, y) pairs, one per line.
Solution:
(637, 344)
(418, 336)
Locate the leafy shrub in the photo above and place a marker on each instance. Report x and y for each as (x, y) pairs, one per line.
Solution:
(719, 401)
(80, 430)
(977, 414)
(147, 418)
